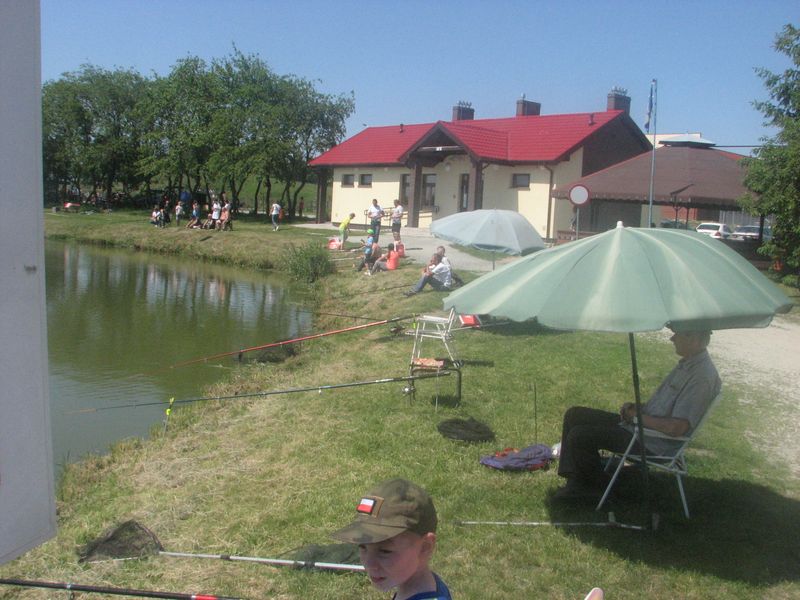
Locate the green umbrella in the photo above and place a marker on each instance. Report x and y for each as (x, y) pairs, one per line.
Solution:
(628, 280)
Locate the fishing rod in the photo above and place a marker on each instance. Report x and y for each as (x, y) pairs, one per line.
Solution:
(316, 388)
(76, 587)
(330, 314)
(270, 561)
(282, 343)
(612, 522)
(386, 289)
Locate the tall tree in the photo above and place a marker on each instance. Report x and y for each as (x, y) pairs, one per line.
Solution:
(315, 123)
(773, 174)
(179, 112)
(66, 134)
(108, 99)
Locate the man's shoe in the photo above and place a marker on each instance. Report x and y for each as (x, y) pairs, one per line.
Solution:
(409, 293)
(576, 491)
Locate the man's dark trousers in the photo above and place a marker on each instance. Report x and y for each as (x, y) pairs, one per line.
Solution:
(584, 433)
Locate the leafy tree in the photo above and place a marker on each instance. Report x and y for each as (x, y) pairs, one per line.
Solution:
(65, 136)
(178, 114)
(773, 174)
(315, 122)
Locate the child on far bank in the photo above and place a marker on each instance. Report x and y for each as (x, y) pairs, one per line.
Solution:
(395, 529)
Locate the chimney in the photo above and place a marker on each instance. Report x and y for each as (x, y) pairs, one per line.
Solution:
(528, 108)
(618, 99)
(463, 111)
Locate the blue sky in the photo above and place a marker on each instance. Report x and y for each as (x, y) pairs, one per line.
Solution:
(410, 61)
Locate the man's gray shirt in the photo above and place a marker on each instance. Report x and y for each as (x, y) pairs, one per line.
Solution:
(685, 393)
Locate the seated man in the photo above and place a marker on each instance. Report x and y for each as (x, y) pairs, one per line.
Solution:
(457, 281)
(436, 274)
(674, 409)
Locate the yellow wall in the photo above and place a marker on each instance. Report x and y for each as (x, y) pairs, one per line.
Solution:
(385, 187)
(565, 173)
(497, 191)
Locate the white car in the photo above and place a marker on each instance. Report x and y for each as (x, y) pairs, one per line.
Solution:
(750, 232)
(715, 230)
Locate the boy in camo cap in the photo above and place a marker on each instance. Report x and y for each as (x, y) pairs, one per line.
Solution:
(395, 529)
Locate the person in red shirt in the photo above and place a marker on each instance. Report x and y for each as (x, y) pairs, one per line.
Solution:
(387, 262)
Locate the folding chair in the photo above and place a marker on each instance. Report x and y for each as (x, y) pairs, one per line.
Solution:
(672, 463)
(437, 328)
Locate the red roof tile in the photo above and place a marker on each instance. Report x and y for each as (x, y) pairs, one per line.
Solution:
(528, 139)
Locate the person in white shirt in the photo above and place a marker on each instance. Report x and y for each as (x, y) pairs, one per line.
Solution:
(397, 218)
(375, 214)
(437, 275)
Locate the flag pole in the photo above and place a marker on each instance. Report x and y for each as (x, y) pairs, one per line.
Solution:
(652, 110)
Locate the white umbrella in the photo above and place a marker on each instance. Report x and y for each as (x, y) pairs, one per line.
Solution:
(493, 229)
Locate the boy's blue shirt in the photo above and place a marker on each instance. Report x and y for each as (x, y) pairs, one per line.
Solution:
(441, 593)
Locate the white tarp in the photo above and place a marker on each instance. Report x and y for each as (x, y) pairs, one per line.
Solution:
(27, 503)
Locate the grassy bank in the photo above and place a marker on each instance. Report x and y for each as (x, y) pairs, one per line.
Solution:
(252, 243)
(260, 477)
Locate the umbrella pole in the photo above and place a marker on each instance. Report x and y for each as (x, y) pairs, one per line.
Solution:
(640, 425)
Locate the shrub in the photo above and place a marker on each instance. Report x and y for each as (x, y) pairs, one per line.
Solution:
(308, 262)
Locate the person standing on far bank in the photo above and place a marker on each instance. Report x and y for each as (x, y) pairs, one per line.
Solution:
(375, 214)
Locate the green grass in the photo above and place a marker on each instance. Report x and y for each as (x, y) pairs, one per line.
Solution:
(260, 477)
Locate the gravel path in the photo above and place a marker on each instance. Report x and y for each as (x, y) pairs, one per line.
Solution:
(767, 363)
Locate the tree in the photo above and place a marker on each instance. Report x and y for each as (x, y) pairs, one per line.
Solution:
(66, 129)
(178, 114)
(773, 174)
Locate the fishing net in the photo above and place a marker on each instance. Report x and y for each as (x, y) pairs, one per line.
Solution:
(326, 553)
(129, 540)
(467, 430)
(277, 354)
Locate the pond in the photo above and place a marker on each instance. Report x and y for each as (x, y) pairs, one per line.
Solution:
(118, 322)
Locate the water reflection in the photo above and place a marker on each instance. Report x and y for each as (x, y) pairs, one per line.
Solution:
(117, 321)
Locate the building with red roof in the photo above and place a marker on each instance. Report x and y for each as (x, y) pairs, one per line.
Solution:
(513, 163)
(691, 180)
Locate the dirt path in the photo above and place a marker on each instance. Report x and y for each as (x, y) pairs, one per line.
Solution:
(766, 362)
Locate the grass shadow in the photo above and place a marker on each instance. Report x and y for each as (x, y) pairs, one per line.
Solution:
(739, 531)
(515, 328)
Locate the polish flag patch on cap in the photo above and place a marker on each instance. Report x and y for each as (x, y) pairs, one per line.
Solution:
(367, 505)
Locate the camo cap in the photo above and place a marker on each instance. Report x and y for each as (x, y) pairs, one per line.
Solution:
(389, 509)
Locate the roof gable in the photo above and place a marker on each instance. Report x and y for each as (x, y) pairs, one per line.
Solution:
(525, 139)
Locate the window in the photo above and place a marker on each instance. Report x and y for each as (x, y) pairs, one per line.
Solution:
(365, 180)
(347, 180)
(521, 180)
(428, 190)
(405, 189)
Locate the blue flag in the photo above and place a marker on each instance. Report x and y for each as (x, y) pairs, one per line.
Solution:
(650, 106)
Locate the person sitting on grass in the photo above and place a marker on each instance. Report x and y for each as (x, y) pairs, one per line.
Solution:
(194, 219)
(387, 262)
(156, 217)
(395, 530)
(674, 409)
(436, 274)
(367, 247)
(225, 217)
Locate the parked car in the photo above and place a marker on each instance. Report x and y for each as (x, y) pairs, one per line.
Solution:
(715, 230)
(750, 232)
